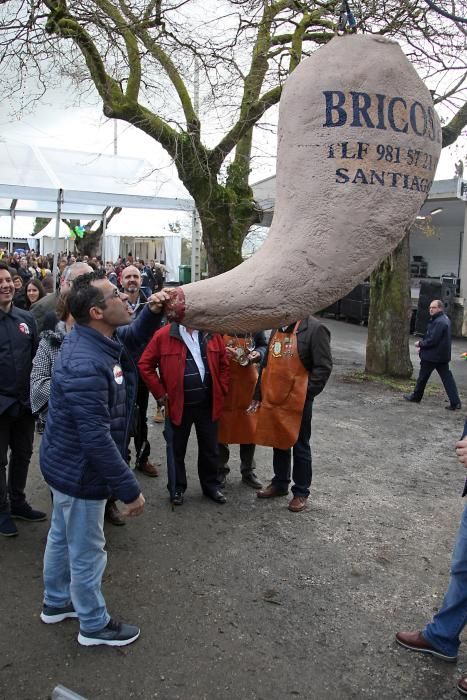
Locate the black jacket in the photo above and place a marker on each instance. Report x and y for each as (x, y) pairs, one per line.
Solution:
(314, 350)
(18, 345)
(435, 345)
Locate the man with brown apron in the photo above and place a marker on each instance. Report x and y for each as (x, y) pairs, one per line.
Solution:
(295, 370)
(236, 426)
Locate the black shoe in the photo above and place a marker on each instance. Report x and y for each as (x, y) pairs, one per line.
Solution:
(410, 397)
(178, 498)
(7, 526)
(250, 479)
(222, 481)
(456, 407)
(25, 512)
(114, 634)
(216, 496)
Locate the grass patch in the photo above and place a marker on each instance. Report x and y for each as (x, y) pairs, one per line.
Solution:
(403, 386)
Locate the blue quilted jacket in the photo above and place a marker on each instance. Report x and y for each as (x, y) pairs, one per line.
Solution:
(91, 403)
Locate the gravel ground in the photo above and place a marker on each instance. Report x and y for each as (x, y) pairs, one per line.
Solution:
(249, 601)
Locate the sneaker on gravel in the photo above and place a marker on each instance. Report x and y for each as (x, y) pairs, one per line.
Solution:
(25, 512)
(7, 526)
(114, 634)
(51, 615)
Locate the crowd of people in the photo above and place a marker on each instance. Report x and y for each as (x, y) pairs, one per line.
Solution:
(85, 358)
(79, 363)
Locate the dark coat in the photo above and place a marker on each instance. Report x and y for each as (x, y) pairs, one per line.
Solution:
(435, 345)
(18, 345)
(93, 393)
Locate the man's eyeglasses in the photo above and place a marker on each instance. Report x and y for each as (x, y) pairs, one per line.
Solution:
(110, 295)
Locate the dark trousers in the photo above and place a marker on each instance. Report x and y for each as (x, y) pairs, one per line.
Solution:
(426, 369)
(206, 434)
(17, 436)
(301, 471)
(142, 445)
(247, 461)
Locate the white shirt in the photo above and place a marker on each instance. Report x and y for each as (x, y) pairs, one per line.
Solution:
(192, 343)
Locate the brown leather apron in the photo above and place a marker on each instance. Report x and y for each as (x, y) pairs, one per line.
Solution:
(235, 426)
(284, 384)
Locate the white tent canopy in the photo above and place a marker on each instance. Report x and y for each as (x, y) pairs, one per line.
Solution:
(62, 183)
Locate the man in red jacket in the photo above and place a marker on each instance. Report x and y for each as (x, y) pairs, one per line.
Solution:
(194, 378)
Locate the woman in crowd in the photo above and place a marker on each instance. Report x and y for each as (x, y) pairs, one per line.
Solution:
(19, 298)
(43, 363)
(34, 292)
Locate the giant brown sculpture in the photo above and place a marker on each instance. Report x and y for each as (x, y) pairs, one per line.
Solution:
(358, 145)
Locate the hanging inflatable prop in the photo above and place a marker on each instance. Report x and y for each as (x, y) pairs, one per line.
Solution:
(358, 145)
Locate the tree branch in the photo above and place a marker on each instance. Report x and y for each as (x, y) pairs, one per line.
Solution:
(453, 130)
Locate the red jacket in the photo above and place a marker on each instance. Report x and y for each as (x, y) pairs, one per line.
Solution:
(166, 352)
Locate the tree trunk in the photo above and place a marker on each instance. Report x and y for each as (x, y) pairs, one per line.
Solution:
(387, 350)
(89, 244)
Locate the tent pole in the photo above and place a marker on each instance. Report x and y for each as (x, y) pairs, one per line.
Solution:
(104, 228)
(57, 231)
(12, 223)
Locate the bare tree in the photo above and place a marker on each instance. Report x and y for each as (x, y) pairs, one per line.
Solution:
(141, 56)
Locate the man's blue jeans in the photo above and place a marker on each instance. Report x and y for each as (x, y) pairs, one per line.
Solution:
(75, 559)
(302, 470)
(444, 630)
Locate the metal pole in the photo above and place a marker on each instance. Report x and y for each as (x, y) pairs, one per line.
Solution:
(57, 231)
(195, 222)
(104, 228)
(12, 223)
(115, 138)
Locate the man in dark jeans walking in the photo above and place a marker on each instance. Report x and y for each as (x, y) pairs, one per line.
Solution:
(18, 344)
(435, 354)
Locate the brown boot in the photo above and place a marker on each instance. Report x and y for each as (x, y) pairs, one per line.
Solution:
(297, 504)
(271, 491)
(149, 469)
(112, 514)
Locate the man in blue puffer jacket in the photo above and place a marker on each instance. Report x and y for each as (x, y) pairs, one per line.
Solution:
(435, 354)
(84, 448)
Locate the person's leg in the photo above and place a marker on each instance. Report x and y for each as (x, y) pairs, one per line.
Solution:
(444, 630)
(84, 528)
(21, 443)
(5, 424)
(208, 455)
(181, 433)
(426, 368)
(302, 470)
(56, 558)
(247, 457)
(141, 432)
(224, 456)
(247, 466)
(281, 464)
(449, 383)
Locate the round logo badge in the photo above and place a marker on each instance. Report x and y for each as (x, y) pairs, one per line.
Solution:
(24, 328)
(118, 374)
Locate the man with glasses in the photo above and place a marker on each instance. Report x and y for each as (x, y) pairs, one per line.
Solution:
(435, 354)
(91, 404)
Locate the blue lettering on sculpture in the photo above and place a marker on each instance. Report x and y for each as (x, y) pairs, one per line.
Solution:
(331, 107)
(391, 120)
